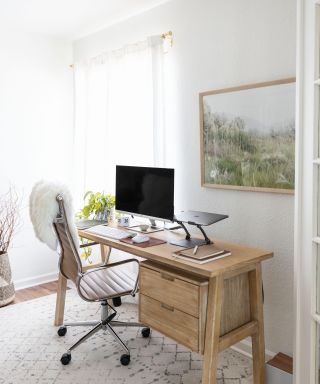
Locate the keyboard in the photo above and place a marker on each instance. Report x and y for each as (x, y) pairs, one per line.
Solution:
(111, 233)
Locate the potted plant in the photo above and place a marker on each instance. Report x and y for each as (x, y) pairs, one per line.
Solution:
(8, 222)
(99, 206)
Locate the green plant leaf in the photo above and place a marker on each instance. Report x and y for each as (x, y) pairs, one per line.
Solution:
(87, 194)
(96, 203)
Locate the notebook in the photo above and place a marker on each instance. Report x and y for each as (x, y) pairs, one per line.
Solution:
(204, 254)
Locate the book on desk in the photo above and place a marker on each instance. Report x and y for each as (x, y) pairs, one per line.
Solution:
(201, 255)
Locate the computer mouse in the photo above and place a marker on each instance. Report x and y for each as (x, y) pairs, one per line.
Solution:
(140, 239)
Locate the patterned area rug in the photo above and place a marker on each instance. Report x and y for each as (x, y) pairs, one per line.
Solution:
(30, 350)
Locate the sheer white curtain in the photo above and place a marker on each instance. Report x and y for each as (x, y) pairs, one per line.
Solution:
(118, 114)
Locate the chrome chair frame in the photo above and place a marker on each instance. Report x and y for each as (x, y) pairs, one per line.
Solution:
(106, 321)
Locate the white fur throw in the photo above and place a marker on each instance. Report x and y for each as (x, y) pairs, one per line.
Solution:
(44, 208)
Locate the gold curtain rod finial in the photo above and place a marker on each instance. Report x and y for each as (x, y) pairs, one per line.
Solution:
(167, 35)
(168, 38)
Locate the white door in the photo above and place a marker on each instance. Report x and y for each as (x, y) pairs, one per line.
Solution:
(307, 209)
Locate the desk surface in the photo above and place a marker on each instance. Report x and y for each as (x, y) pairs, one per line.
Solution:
(241, 256)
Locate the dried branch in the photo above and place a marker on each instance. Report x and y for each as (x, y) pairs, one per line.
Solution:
(9, 216)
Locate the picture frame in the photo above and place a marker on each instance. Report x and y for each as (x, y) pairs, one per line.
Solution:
(247, 137)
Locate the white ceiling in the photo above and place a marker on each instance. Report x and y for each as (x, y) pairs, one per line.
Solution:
(69, 19)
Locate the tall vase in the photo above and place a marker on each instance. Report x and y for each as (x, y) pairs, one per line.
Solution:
(6, 284)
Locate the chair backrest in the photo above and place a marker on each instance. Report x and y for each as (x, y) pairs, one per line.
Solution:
(70, 262)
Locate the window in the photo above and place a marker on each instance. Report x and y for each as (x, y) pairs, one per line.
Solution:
(118, 114)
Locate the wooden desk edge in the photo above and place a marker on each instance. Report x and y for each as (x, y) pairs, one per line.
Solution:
(175, 263)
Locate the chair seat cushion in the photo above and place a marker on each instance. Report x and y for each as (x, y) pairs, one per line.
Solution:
(108, 282)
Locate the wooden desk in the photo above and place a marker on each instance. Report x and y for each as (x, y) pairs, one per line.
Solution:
(234, 289)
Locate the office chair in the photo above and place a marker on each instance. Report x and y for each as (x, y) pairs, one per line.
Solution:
(110, 281)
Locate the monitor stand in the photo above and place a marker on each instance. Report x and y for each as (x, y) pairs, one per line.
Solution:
(153, 225)
(188, 242)
(166, 225)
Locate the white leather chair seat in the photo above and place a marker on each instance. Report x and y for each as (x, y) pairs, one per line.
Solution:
(107, 282)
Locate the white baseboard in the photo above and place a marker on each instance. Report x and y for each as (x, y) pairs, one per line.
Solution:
(35, 280)
(245, 347)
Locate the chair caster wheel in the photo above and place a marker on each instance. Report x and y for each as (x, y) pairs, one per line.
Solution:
(65, 358)
(125, 359)
(145, 332)
(62, 331)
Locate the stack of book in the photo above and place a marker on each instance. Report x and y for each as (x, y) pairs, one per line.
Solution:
(202, 254)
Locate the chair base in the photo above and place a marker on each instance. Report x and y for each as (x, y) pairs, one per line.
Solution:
(106, 324)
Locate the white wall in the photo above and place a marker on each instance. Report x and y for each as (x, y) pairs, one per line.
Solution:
(220, 44)
(35, 134)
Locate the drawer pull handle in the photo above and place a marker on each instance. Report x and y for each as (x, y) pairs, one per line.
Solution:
(167, 307)
(167, 277)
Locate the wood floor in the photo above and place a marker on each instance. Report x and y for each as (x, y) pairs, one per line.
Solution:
(282, 362)
(35, 292)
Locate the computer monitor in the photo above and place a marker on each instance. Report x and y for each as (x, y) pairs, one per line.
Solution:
(145, 191)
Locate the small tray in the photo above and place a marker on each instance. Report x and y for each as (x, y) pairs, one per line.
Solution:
(136, 228)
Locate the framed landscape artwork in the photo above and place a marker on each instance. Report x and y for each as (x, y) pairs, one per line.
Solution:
(248, 137)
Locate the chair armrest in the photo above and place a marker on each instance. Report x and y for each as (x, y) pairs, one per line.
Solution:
(88, 244)
(113, 265)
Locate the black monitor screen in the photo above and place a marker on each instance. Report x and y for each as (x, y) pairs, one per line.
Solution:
(145, 191)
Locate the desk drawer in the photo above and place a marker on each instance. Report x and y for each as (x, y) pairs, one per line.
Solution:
(170, 321)
(174, 303)
(165, 286)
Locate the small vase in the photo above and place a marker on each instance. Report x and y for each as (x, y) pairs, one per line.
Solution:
(6, 284)
(106, 215)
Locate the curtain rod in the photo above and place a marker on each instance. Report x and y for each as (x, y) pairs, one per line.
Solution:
(167, 36)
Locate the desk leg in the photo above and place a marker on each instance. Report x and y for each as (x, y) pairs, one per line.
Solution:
(256, 307)
(211, 349)
(60, 301)
(105, 253)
